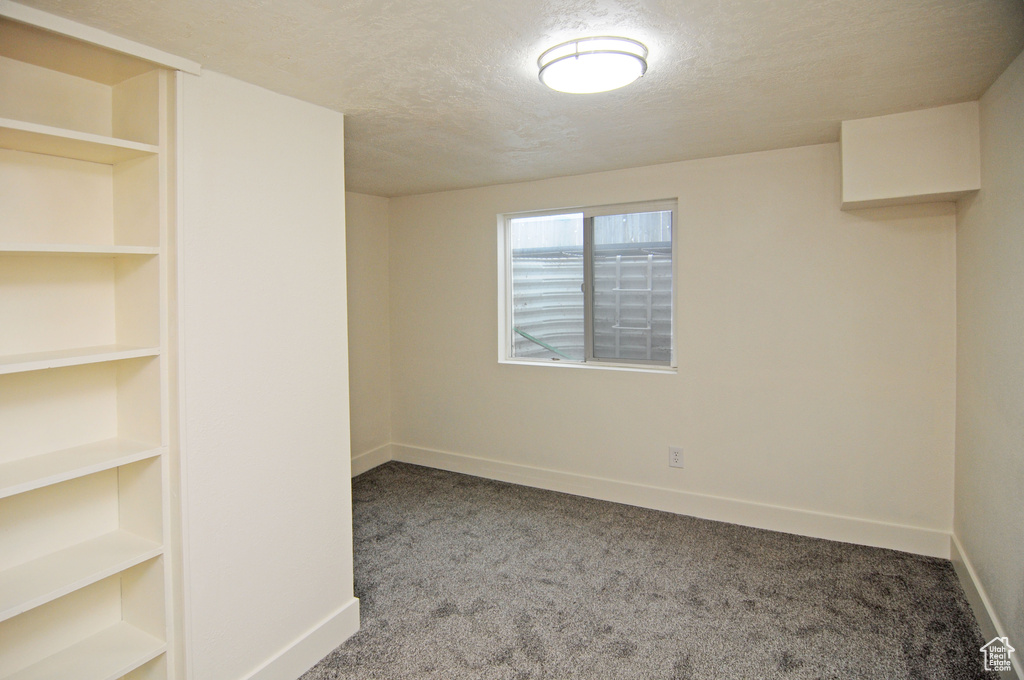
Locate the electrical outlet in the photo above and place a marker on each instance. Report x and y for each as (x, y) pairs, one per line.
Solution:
(675, 456)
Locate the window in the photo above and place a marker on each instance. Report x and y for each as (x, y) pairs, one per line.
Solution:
(591, 285)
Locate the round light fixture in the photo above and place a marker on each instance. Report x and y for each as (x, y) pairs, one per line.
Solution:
(588, 65)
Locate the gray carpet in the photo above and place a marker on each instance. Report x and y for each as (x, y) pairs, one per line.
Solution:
(462, 577)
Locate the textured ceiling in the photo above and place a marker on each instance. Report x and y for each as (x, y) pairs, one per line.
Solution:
(443, 94)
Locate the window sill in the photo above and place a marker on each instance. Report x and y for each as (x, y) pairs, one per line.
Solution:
(593, 366)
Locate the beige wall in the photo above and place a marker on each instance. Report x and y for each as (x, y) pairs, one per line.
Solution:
(369, 333)
(816, 347)
(989, 521)
(264, 392)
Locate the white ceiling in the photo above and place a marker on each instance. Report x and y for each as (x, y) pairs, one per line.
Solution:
(443, 94)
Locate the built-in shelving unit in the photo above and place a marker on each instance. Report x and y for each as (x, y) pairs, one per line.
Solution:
(84, 182)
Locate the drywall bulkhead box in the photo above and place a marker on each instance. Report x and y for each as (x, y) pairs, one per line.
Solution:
(914, 157)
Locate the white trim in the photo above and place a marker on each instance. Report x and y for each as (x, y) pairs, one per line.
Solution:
(591, 365)
(991, 626)
(919, 540)
(180, 227)
(73, 29)
(504, 291)
(366, 461)
(311, 646)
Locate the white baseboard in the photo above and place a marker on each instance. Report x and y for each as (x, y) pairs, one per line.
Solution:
(989, 623)
(368, 460)
(311, 646)
(775, 518)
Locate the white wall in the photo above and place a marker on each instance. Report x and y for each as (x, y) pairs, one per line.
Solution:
(815, 390)
(369, 332)
(265, 433)
(989, 523)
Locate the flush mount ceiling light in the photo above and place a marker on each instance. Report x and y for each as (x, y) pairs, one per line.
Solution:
(588, 65)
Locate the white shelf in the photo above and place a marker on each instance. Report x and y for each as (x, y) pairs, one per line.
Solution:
(36, 361)
(83, 146)
(34, 472)
(74, 249)
(107, 655)
(45, 579)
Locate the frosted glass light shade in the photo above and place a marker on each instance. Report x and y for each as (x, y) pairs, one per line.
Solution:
(588, 65)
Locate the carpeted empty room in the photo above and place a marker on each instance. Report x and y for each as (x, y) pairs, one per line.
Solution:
(463, 577)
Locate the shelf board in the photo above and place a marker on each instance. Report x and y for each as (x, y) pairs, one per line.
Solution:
(107, 655)
(21, 363)
(75, 249)
(83, 146)
(34, 472)
(45, 579)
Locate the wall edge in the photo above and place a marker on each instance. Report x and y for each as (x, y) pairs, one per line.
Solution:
(366, 461)
(312, 646)
(989, 623)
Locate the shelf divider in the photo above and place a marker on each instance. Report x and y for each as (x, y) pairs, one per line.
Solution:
(36, 361)
(43, 580)
(34, 472)
(107, 655)
(75, 249)
(84, 146)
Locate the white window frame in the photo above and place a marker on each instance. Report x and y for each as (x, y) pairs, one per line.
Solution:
(589, 360)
